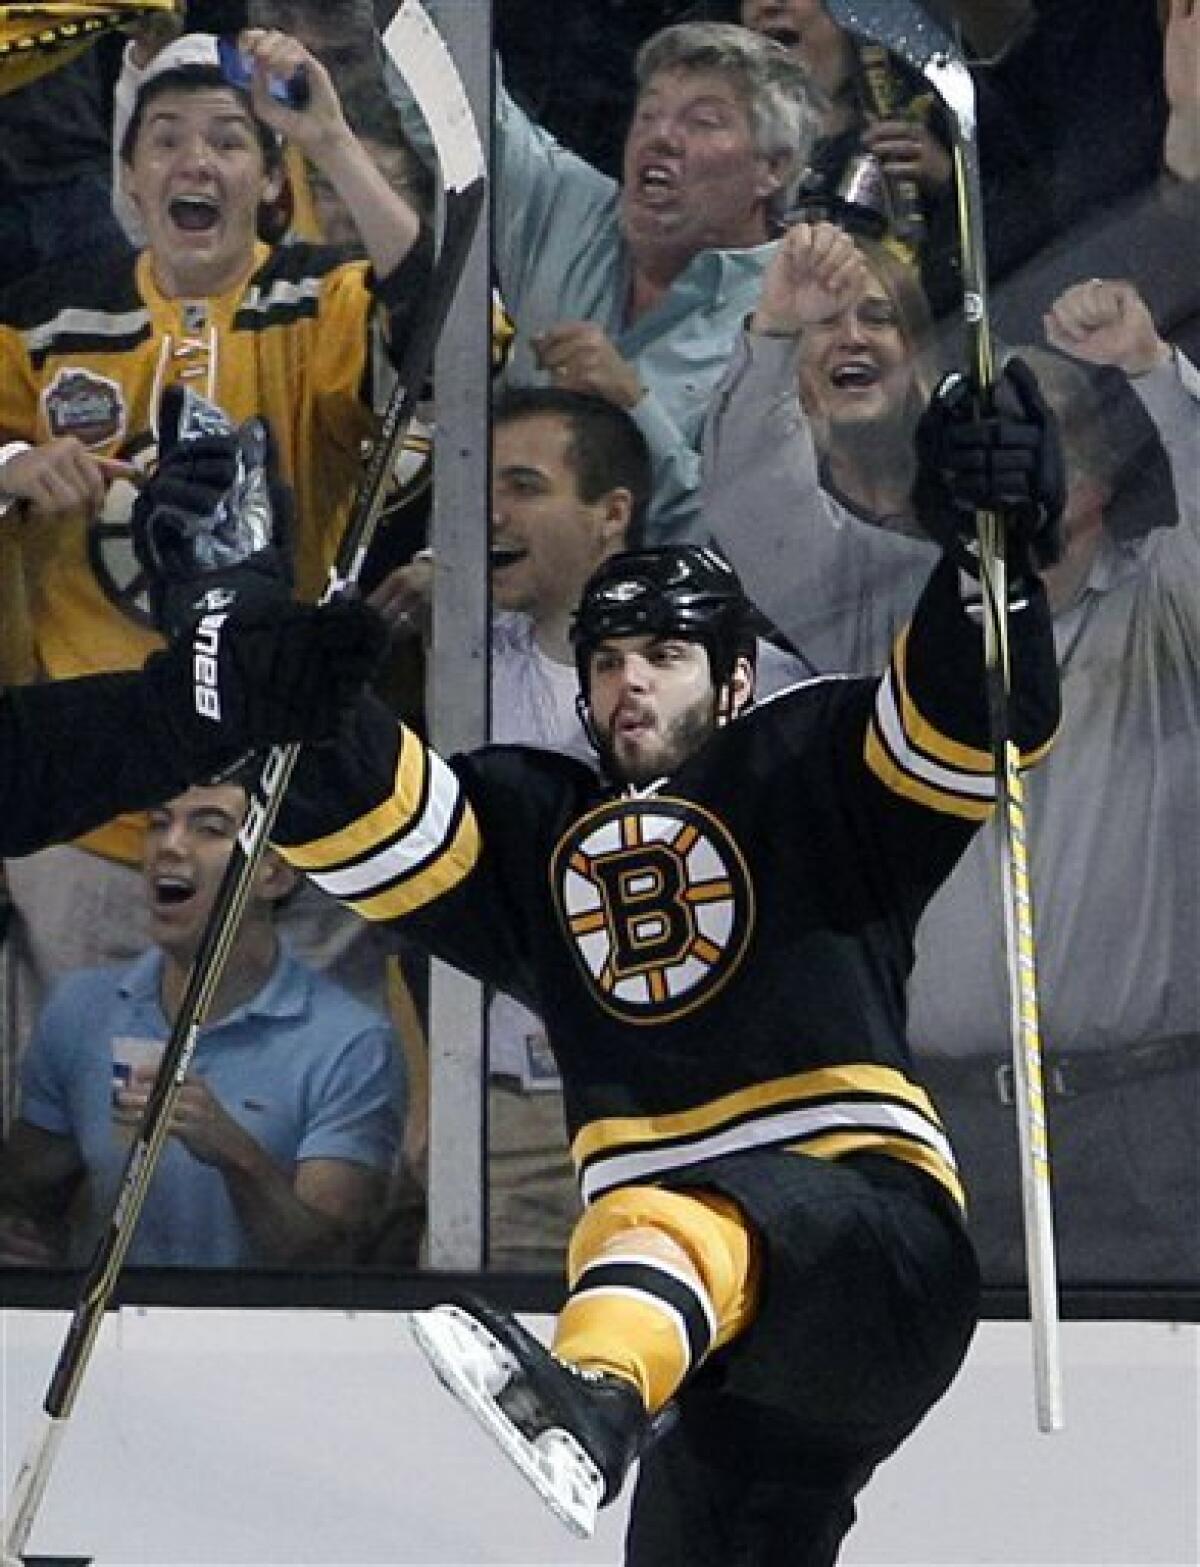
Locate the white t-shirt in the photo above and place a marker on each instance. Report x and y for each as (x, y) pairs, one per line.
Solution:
(533, 703)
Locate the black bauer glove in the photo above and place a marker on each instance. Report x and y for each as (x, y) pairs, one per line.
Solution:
(1009, 462)
(264, 674)
(212, 527)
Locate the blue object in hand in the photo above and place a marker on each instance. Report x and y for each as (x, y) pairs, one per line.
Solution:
(238, 71)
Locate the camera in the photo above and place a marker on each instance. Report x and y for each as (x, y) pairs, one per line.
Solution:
(238, 71)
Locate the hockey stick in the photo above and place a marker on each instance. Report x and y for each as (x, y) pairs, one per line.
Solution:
(902, 27)
(419, 53)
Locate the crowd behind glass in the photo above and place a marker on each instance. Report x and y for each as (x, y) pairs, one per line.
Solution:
(660, 372)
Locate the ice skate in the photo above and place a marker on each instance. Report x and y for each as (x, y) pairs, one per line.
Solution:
(573, 1434)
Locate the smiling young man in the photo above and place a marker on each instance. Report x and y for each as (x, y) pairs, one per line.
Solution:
(570, 482)
(287, 1126)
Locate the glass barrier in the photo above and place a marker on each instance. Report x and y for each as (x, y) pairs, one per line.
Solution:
(647, 352)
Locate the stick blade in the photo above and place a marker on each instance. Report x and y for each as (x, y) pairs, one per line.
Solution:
(900, 26)
(29, 1487)
(909, 32)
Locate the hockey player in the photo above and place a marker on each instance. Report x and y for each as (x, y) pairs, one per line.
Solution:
(771, 1282)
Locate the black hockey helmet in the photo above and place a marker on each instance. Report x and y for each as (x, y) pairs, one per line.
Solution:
(677, 590)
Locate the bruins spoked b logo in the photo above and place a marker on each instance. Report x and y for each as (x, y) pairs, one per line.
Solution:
(656, 903)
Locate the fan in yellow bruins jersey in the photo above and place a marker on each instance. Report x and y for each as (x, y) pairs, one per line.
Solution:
(773, 1248)
(283, 332)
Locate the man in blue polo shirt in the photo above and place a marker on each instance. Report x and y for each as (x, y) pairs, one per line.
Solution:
(288, 1126)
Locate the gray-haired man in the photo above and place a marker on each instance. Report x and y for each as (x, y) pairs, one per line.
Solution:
(636, 290)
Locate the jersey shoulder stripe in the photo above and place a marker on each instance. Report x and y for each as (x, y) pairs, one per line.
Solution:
(278, 304)
(289, 285)
(913, 758)
(413, 847)
(76, 331)
(297, 260)
(76, 309)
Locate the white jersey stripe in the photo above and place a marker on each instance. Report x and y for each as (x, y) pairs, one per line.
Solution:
(627, 1168)
(659, 1265)
(951, 780)
(282, 291)
(424, 839)
(85, 323)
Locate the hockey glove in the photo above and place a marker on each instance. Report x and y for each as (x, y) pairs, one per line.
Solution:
(265, 674)
(1009, 462)
(213, 525)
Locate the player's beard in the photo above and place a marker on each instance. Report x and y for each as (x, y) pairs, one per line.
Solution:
(681, 738)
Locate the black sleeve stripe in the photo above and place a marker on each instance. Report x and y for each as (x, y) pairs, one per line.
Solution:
(657, 1286)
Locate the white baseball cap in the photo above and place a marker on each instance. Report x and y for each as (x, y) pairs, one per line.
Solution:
(187, 49)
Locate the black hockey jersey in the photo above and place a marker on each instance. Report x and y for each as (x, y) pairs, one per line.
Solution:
(75, 752)
(720, 959)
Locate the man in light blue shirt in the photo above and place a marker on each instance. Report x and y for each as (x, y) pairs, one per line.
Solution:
(287, 1126)
(636, 291)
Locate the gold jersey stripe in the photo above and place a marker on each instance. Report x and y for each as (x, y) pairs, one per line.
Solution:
(893, 777)
(967, 758)
(917, 770)
(378, 827)
(862, 1123)
(925, 735)
(452, 864)
(833, 1145)
(403, 853)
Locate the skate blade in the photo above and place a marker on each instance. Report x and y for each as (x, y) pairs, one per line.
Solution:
(474, 1366)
